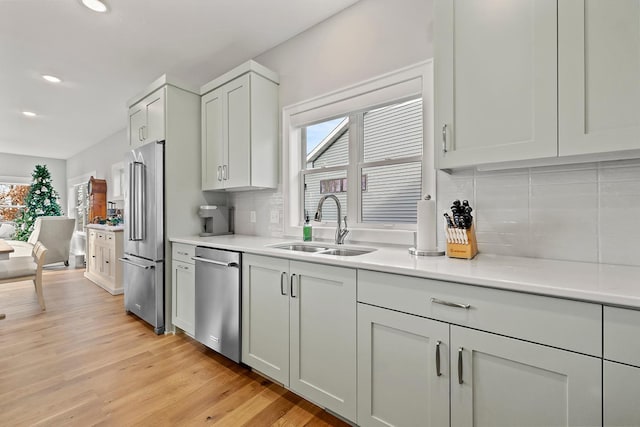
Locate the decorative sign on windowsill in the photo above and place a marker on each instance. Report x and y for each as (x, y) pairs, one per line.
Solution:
(339, 185)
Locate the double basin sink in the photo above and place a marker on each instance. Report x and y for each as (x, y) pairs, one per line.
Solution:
(323, 249)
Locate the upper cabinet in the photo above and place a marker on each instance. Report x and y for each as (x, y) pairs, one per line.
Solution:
(147, 119)
(495, 81)
(240, 130)
(535, 79)
(599, 76)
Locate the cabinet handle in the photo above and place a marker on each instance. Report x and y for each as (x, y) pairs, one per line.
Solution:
(293, 295)
(144, 132)
(107, 262)
(224, 172)
(460, 365)
(219, 175)
(444, 138)
(140, 134)
(450, 304)
(183, 253)
(182, 267)
(438, 373)
(283, 283)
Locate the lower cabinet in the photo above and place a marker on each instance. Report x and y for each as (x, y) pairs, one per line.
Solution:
(299, 327)
(621, 367)
(500, 381)
(183, 287)
(621, 394)
(403, 369)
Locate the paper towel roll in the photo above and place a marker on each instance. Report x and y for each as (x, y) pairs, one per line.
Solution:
(426, 225)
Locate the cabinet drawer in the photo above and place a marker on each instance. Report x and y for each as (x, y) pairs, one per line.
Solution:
(182, 252)
(561, 323)
(621, 331)
(109, 237)
(100, 236)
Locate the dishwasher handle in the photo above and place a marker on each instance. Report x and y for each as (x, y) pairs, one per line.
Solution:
(135, 264)
(210, 261)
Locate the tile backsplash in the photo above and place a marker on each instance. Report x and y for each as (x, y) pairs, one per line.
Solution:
(583, 212)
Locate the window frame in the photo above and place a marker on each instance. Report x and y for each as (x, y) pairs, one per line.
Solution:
(402, 85)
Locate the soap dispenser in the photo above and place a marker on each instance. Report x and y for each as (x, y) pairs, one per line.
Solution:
(306, 229)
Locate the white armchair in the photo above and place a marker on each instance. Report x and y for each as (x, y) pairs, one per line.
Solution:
(54, 232)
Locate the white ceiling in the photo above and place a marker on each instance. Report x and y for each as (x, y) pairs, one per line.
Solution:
(105, 59)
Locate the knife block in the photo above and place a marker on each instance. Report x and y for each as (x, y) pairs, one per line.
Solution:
(462, 250)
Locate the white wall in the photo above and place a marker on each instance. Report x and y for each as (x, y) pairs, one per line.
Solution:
(370, 38)
(13, 165)
(99, 158)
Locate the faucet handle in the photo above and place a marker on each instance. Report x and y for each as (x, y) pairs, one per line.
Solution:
(345, 222)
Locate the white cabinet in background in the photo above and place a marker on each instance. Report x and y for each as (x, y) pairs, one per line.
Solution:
(299, 327)
(147, 119)
(104, 248)
(598, 69)
(240, 130)
(495, 81)
(183, 287)
(500, 381)
(403, 369)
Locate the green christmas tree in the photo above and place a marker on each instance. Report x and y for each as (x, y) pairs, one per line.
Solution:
(42, 200)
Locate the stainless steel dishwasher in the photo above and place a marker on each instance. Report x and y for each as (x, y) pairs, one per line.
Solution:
(217, 309)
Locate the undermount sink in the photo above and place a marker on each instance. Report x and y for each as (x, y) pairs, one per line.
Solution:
(346, 252)
(301, 247)
(323, 250)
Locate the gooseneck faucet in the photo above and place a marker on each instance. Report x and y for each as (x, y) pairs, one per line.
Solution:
(341, 233)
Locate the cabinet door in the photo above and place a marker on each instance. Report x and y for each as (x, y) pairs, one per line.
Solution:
(508, 382)
(154, 106)
(621, 391)
(108, 262)
(265, 316)
(212, 141)
(137, 121)
(183, 285)
(403, 369)
(598, 69)
(323, 336)
(495, 81)
(237, 118)
(92, 255)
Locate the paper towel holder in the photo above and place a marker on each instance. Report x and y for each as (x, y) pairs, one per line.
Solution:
(415, 251)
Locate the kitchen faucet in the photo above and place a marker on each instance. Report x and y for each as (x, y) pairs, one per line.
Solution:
(341, 233)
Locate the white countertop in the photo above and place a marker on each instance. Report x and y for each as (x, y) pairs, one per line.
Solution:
(601, 283)
(105, 227)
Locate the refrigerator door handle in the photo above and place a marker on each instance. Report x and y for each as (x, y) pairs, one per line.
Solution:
(136, 201)
(128, 261)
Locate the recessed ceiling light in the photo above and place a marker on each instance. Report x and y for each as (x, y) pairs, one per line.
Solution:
(29, 114)
(95, 5)
(52, 79)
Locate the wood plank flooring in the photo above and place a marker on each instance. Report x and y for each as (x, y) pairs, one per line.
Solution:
(85, 362)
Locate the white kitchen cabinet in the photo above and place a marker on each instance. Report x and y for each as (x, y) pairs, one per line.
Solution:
(319, 333)
(265, 316)
(500, 381)
(403, 369)
(621, 366)
(147, 119)
(495, 81)
(103, 250)
(598, 69)
(183, 287)
(240, 130)
(621, 391)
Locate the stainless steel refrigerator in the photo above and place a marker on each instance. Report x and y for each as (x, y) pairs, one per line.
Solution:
(143, 259)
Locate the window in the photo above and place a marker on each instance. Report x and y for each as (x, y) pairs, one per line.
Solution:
(371, 146)
(12, 198)
(382, 147)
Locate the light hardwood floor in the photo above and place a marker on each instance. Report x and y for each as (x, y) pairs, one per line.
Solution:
(85, 362)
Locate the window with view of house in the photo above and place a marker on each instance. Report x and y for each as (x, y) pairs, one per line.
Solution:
(380, 149)
(12, 198)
